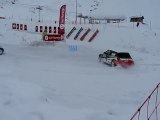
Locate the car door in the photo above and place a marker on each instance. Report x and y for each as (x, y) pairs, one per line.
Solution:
(111, 57)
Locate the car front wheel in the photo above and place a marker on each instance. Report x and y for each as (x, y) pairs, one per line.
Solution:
(113, 64)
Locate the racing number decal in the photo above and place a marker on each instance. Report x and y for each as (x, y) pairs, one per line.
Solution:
(109, 60)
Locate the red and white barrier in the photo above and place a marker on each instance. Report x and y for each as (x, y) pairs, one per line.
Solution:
(150, 108)
(85, 34)
(25, 27)
(13, 25)
(21, 26)
(93, 36)
(17, 26)
(54, 37)
(49, 29)
(41, 28)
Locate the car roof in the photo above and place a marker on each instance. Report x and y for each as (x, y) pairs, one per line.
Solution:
(123, 55)
(111, 51)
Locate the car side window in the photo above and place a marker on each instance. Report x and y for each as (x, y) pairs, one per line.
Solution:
(113, 55)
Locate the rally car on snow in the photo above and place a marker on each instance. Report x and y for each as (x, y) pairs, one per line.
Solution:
(1, 50)
(114, 58)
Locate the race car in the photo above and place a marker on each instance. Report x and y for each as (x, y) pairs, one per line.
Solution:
(1, 50)
(114, 58)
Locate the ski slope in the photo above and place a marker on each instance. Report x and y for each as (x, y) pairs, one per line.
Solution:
(41, 81)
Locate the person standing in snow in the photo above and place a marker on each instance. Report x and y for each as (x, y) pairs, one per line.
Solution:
(44, 34)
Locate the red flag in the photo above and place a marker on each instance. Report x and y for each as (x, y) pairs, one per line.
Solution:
(62, 19)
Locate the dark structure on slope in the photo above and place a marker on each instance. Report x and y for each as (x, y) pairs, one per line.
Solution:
(137, 19)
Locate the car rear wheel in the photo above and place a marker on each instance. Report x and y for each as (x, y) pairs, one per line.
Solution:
(1, 51)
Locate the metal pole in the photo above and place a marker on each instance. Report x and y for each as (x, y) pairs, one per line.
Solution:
(39, 10)
(39, 13)
(76, 13)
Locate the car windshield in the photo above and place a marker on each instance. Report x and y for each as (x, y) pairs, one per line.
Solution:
(113, 54)
(124, 55)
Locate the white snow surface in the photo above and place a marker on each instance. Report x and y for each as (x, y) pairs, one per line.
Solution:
(40, 81)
